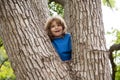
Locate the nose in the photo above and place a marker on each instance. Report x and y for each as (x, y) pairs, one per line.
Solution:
(56, 27)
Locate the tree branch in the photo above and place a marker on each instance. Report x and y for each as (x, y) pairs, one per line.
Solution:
(114, 47)
(3, 62)
(108, 3)
(1, 43)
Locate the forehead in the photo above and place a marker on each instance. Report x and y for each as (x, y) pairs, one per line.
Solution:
(54, 22)
(58, 21)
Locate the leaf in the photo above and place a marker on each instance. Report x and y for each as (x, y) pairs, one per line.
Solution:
(56, 8)
(109, 3)
(6, 72)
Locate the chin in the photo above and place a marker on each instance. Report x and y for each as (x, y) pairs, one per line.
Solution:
(57, 35)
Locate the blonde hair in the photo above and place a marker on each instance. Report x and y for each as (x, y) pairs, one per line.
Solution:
(59, 20)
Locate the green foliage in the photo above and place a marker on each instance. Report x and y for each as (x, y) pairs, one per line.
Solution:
(116, 55)
(110, 3)
(118, 36)
(6, 72)
(116, 33)
(55, 7)
(118, 73)
(3, 55)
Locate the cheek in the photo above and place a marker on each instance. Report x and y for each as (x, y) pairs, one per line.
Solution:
(62, 29)
(51, 31)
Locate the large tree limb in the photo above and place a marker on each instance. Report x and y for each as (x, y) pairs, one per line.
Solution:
(114, 47)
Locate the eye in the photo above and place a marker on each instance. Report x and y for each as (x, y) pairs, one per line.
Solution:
(52, 26)
(58, 25)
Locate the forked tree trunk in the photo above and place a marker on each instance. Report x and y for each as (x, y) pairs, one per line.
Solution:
(27, 45)
(30, 50)
(90, 57)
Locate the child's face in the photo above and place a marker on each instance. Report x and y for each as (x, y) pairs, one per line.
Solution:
(56, 29)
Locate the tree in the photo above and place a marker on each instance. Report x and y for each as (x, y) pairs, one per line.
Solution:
(89, 50)
(29, 48)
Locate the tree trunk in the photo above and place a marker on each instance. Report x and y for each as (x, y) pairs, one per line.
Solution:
(90, 57)
(28, 47)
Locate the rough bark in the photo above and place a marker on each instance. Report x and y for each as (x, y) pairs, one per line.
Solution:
(28, 47)
(90, 57)
(67, 14)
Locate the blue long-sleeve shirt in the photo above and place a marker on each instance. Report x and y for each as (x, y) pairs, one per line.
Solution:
(63, 46)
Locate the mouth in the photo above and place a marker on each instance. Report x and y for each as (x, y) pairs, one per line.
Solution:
(57, 31)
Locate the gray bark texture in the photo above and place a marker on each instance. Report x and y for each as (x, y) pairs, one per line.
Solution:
(90, 56)
(27, 45)
(31, 53)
